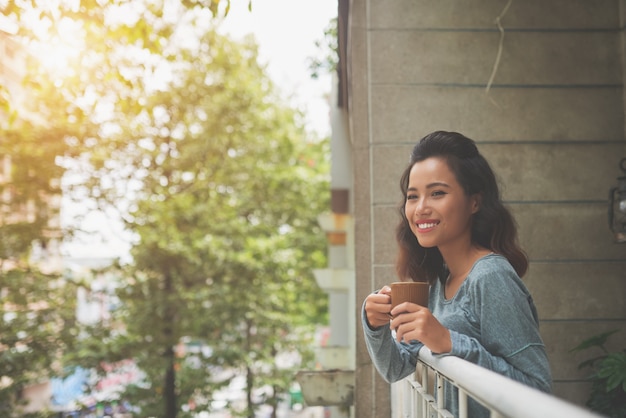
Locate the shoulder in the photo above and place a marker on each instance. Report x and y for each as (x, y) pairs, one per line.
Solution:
(492, 263)
(494, 273)
(495, 287)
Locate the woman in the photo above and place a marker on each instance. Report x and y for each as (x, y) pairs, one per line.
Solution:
(456, 234)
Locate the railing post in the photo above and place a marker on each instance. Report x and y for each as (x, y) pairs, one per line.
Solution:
(424, 411)
(440, 393)
(407, 401)
(502, 396)
(462, 404)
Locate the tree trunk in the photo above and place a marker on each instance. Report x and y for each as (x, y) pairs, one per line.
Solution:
(249, 374)
(169, 388)
(274, 402)
(249, 387)
(169, 385)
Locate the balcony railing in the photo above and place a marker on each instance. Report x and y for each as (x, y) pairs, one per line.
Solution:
(421, 395)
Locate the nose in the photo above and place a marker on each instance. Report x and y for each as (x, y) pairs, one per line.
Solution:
(420, 206)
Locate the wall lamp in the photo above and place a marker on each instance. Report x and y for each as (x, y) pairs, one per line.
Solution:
(617, 206)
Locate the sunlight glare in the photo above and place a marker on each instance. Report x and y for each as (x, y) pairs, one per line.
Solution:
(59, 46)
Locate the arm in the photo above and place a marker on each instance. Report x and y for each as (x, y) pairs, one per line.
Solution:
(394, 361)
(528, 366)
(509, 341)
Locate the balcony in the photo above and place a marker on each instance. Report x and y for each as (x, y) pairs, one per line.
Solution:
(421, 395)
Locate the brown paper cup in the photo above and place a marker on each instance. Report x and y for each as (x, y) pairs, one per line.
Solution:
(415, 292)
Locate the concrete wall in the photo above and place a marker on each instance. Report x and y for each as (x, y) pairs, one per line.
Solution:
(551, 124)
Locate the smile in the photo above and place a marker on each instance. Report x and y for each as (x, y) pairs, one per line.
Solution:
(427, 225)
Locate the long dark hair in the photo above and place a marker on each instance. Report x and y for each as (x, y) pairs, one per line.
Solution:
(493, 226)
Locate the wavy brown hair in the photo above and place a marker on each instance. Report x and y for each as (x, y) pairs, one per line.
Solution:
(493, 226)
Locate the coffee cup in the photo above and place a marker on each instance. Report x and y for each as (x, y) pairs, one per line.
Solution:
(414, 292)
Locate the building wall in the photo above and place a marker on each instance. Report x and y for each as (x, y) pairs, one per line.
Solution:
(543, 96)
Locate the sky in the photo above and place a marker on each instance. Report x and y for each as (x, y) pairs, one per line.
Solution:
(286, 31)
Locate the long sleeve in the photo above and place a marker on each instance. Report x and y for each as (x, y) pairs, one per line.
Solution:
(394, 361)
(493, 323)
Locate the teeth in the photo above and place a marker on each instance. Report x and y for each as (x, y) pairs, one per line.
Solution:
(424, 226)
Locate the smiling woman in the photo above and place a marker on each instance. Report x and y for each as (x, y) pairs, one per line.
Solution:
(456, 234)
(437, 208)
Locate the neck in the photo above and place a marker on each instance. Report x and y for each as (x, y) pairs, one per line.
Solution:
(461, 260)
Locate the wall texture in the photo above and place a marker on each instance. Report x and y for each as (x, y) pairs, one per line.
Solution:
(543, 96)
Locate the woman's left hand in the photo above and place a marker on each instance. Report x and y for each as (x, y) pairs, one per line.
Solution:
(415, 322)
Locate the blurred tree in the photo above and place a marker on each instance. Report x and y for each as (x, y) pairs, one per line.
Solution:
(181, 130)
(37, 326)
(327, 57)
(37, 306)
(227, 194)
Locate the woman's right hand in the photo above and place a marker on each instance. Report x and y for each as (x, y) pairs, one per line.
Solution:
(377, 308)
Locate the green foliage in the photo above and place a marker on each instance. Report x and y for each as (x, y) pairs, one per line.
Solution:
(32, 182)
(212, 5)
(214, 176)
(226, 220)
(608, 391)
(329, 52)
(37, 312)
(38, 324)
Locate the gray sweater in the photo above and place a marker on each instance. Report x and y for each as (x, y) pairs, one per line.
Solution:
(493, 323)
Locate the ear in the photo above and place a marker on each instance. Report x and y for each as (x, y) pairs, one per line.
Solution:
(476, 200)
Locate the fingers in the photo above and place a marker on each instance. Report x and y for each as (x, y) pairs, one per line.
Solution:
(377, 307)
(405, 333)
(410, 321)
(418, 324)
(386, 290)
(406, 307)
(408, 332)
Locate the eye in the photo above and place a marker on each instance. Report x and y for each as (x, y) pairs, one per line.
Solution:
(438, 193)
(411, 196)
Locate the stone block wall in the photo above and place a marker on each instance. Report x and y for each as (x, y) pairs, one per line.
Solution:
(551, 124)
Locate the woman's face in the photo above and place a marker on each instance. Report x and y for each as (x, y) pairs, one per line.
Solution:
(437, 208)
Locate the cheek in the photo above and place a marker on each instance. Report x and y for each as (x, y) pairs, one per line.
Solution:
(408, 211)
(462, 217)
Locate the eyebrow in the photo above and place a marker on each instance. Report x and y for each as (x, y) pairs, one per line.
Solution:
(431, 185)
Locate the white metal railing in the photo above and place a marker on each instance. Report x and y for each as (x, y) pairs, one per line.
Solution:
(421, 395)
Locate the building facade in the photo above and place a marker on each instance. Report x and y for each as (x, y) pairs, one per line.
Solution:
(540, 86)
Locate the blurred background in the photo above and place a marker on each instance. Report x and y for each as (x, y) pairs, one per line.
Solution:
(163, 165)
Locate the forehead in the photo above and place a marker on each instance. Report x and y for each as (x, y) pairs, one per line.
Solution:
(431, 170)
